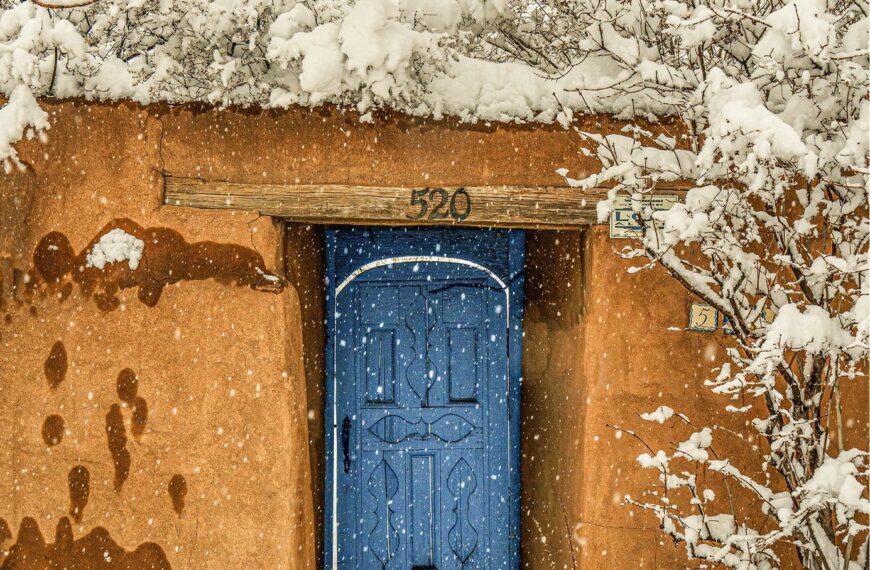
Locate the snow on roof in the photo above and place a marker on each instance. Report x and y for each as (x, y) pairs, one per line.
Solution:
(412, 56)
(408, 56)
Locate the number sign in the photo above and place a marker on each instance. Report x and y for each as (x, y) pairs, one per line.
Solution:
(703, 318)
(459, 204)
(623, 218)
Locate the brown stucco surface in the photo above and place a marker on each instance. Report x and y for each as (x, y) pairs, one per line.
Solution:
(603, 346)
(225, 467)
(216, 364)
(597, 354)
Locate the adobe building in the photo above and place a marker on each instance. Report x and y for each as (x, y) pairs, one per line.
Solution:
(397, 344)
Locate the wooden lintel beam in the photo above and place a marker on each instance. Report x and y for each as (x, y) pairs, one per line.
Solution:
(552, 207)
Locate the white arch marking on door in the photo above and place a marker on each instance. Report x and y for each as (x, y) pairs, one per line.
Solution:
(341, 287)
(414, 259)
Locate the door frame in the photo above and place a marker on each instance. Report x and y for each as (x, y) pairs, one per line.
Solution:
(513, 286)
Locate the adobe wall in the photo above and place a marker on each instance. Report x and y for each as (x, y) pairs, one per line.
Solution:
(203, 464)
(228, 365)
(603, 346)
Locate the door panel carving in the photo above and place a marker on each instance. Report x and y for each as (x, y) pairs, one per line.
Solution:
(448, 428)
(462, 483)
(384, 537)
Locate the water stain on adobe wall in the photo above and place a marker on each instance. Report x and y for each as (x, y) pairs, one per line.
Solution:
(140, 416)
(167, 258)
(127, 385)
(94, 551)
(56, 365)
(79, 481)
(52, 430)
(177, 491)
(116, 435)
(128, 389)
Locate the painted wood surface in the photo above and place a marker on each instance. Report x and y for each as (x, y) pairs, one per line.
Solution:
(550, 207)
(424, 398)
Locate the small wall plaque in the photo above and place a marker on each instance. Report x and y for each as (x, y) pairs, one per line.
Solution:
(703, 318)
(623, 220)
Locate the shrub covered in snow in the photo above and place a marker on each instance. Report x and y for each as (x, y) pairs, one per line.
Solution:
(774, 98)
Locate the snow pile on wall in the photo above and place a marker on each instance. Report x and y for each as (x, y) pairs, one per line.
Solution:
(115, 246)
(21, 117)
(660, 415)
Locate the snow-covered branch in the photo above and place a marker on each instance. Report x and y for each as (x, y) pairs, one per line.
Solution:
(774, 234)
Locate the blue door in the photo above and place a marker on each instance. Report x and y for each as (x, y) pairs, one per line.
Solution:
(423, 398)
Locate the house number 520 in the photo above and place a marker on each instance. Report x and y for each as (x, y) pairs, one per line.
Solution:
(445, 204)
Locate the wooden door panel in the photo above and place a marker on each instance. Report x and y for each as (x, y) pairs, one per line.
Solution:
(422, 454)
(424, 499)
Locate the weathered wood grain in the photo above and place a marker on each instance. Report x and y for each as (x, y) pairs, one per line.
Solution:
(553, 207)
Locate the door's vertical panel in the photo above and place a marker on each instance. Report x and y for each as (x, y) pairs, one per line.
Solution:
(478, 513)
(418, 376)
(422, 509)
(447, 460)
(347, 436)
(362, 464)
(397, 459)
(461, 315)
(380, 371)
(379, 313)
(516, 275)
(497, 452)
(381, 524)
(462, 351)
(405, 353)
(464, 521)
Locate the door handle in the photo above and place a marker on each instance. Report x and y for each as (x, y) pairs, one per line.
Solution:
(345, 442)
